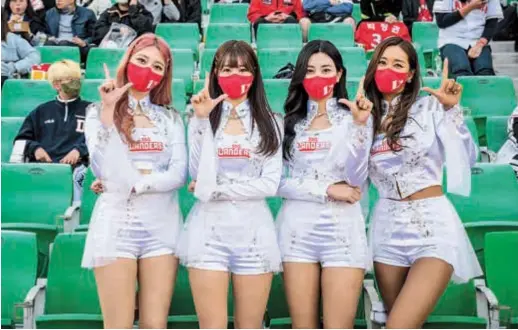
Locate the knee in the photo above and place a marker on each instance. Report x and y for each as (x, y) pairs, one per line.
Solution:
(153, 323)
(350, 21)
(305, 23)
(213, 322)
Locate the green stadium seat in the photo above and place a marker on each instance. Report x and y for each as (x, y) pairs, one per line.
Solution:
(432, 82)
(457, 309)
(71, 300)
(496, 132)
(491, 206)
(180, 36)
(341, 35)
(19, 267)
(272, 60)
(351, 84)
(97, 57)
(51, 54)
(21, 96)
(10, 128)
(426, 34)
(34, 197)
(354, 61)
(183, 67)
(88, 200)
(186, 199)
(279, 36)
(207, 57)
(217, 34)
(502, 273)
(179, 96)
(274, 203)
(472, 126)
(357, 13)
(228, 13)
(205, 6)
(276, 93)
(182, 313)
(421, 59)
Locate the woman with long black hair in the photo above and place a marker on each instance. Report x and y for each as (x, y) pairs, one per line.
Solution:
(235, 160)
(320, 225)
(417, 238)
(21, 14)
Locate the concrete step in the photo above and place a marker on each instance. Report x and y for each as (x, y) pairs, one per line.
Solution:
(515, 81)
(502, 46)
(505, 58)
(506, 69)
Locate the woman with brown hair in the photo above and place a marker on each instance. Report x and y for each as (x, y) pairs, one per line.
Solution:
(417, 238)
(137, 150)
(235, 160)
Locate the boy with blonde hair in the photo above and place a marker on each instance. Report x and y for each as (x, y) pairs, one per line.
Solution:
(54, 131)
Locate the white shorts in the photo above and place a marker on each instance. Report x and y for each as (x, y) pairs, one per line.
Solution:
(136, 242)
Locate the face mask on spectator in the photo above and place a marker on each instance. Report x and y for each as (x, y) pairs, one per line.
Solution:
(319, 87)
(235, 85)
(389, 81)
(72, 87)
(142, 78)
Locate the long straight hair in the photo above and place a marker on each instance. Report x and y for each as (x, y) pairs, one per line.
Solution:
(234, 53)
(407, 97)
(5, 26)
(160, 94)
(295, 106)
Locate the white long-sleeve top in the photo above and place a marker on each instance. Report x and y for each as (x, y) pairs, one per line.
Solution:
(322, 158)
(154, 201)
(438, 137)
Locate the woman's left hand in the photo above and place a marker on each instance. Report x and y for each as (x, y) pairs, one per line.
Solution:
(192, 186)
(97, 186)
(361, 108)
(449, 92)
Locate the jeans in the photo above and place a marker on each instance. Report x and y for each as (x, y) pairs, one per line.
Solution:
(461, 65)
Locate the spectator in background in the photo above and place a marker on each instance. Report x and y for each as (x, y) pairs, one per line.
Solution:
(381, 10)
(18, 56)
(97, 6)
(190, 11)
(232, 1)
(465, 29)
(163, 11)
(24, 20)
(54, 131)
(508, 154)
(132, 14)
(417, 11)
(330, 11)
(278, 12)
(69, 25)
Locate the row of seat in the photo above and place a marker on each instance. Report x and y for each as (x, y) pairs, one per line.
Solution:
(71, 301)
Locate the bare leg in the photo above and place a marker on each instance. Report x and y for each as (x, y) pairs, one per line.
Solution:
(116, 288)
(304, 25)
(390, 281)
(250, 298)
(302, 286)
(209, 291)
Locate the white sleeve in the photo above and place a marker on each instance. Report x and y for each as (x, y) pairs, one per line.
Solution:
(97, 137)
(494, 10)
(357, 146)
(175, 176)
(443, 6)
(196, 132)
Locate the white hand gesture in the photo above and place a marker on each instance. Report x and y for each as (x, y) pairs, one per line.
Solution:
(449, 92)
(361, 108)
(202, 103)
(110, 92)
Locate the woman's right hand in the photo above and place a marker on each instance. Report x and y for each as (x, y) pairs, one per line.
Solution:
(110, 92)
(343, 192)
(202, 103)
(97, 186)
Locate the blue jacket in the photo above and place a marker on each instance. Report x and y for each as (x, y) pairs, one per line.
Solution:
(83, 23)
(315, 6)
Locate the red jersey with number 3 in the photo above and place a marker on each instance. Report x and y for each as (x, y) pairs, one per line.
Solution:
(424, 14)
(371, 34)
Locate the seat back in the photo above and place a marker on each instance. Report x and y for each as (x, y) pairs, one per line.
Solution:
(35, 193)
(472, 126)
(88, 199)
(457, 300)
(180, 36)
(207, 57)
(10, 128)
(21, 96)
(496, 132)
(277, 306)
(276, 93)
(272, 60)
(70, 288)
(51, 54)
(488, 96)
(186, 200)
(494, 192)
(183, 67)
(502, 268)
(432, 82)
(341, 35)
(354, 61)
(357, 13)
(351, 84)
(90, 90)
(182, 303)
(279, 36)
(97, 57)
(228, 13)
(425, 34)
(219, 33)
(179, 96)
(19, 267)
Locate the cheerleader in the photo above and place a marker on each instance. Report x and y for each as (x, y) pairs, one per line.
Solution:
(417, 238)
(321, 228)
(235, 162)
(137, 150)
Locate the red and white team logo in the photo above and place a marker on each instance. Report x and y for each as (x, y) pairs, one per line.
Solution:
(145, 144)
(381, 146)
(236, 151)
(313, 144)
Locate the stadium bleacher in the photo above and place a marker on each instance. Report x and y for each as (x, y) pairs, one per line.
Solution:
(37, 208)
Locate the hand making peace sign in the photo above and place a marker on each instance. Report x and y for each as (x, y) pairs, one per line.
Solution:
(361, 108)
(449, 92)
(110, 92)
(202, 103)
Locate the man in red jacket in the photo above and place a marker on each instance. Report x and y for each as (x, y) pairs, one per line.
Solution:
(278, 12)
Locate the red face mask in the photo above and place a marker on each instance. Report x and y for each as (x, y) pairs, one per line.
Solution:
(319, 87)
(235, 85)
(389, 81)
(143, 79)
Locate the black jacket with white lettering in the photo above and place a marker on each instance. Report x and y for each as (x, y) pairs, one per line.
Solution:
(57, 127)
